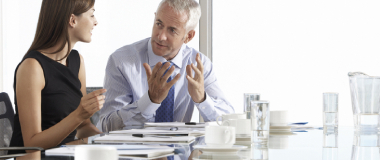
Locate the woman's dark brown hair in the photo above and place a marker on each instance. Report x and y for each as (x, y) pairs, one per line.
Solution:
(53, 23)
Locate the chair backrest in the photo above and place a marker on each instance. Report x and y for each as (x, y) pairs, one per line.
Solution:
(95, 118)
(6, 121)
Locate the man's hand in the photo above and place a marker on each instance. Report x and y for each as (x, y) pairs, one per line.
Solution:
(158, 87)
(196, 84)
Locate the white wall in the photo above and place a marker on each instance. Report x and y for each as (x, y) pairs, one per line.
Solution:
(292, 51)
(19, 25)
(121, 22)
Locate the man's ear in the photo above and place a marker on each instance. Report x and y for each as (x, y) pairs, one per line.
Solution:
(72, 21)
(190, 36)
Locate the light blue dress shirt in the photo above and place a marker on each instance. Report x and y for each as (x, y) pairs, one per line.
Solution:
(127, 104)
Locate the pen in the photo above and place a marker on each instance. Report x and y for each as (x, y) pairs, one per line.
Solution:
(299, 123)
(142, 136)
(192, 123)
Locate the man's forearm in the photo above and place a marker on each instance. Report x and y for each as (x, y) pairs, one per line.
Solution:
(87, 130)
(111, 122)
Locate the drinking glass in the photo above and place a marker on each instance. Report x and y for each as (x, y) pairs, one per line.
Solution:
(248, 97)
(259, 153)
(330, 144)
(260, 117)
(330, 109)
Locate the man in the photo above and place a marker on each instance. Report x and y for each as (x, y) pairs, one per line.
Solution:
(141, 87)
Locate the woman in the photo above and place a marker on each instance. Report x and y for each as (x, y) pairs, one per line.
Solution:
(52, 106)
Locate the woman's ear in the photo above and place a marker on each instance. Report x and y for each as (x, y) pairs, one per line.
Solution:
(72, 22)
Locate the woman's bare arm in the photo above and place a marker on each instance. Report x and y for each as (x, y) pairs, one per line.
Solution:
(86, 129)
(29, 84)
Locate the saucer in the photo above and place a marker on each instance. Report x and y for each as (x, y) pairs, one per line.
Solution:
(243, 143)
(281, 127)
(243, 139)
(243, 136)
(206, 148)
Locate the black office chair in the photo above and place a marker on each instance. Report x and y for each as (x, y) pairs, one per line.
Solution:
(95, 118)
(6, 128)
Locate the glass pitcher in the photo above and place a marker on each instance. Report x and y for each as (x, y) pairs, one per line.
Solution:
(365, 98)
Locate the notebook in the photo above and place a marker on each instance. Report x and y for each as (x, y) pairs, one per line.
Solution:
(124, 151)
(175, 124)
(158, 132)
(130, 139)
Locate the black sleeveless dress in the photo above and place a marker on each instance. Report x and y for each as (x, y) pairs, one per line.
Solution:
(60, 96)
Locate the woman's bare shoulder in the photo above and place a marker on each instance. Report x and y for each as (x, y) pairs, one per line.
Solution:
(30, 71)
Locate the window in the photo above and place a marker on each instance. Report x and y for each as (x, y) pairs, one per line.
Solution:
(292, 51)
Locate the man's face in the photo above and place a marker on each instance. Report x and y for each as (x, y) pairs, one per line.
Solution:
(168, 32)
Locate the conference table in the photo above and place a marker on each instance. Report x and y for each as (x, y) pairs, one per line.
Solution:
(340, 144)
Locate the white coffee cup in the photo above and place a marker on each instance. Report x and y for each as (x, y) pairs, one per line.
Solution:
(88, 152)
(231, 116)
(242, 126)
(279, 118)
(220, 136)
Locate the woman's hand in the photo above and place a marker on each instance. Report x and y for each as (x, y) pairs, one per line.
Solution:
(90, 104)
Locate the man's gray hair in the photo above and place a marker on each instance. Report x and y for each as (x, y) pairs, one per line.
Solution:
(191, 8)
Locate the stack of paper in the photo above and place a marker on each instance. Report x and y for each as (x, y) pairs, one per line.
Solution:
(176, 124)
(158, 132)
(124, 151)
(130, 139)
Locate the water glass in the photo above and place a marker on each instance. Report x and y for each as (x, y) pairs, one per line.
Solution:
(330, 109)
(260, 120)
(330, 144)
(259, 153)
(248, 97)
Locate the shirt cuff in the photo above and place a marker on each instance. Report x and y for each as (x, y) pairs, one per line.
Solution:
(146, 106)
(206, 105)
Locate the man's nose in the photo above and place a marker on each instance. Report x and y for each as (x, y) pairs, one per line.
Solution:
(162, 35)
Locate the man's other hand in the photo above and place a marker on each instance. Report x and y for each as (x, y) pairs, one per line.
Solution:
(196, 84)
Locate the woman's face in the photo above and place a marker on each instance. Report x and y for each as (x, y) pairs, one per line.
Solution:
(85, 24)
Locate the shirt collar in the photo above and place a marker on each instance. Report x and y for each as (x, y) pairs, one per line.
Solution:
(154, 59)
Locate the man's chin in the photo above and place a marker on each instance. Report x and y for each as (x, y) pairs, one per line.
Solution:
(159, 53)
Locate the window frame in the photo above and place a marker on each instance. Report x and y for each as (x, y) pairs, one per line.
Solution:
(1, 46)
(205, 32)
